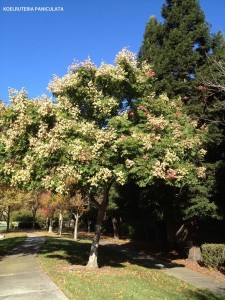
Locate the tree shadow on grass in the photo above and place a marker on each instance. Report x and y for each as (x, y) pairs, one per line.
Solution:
(77, 253)
(112, 256)
(10, 246)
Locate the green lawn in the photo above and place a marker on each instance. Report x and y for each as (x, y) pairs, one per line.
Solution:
(2, 228)
(9, 243)
(117, 278)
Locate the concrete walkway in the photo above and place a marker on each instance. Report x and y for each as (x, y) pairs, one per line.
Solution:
(196, 279)
(22, 277)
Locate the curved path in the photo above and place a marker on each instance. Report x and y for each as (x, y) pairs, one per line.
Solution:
(22, 277)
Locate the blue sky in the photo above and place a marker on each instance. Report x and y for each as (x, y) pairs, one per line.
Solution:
(36, 45)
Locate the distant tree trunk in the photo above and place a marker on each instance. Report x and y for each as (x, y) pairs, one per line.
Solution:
(194, 253)
(60, 223)
(89, 225)
(93, 256)
(46, 223)
(34, 213)
(115, 228)
(50, 225)
(8, 218)
(76, 220)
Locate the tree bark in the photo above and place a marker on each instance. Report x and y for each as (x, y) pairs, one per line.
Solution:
(93, 256)
(60, 223)
(89, 225)
(115, 228)
(76, 216)
(46, 224)
(195, 254)
(8, 218)
(50, 225)
(34, 212)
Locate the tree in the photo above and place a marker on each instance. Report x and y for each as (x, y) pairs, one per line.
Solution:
(33, 203)
(77, 207)
(105, 127)
(10, 200)
(177, 47)
(181, 51)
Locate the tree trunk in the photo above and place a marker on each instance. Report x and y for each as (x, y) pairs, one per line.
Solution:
(89, 225)
(46, 224)
(50, 225)
(76, 216)
(8, 218)
(93, 256)
(115, 228)
(195, 254)
(60, 223)
(34, 212)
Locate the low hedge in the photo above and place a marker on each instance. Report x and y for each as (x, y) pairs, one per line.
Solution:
(213, 255)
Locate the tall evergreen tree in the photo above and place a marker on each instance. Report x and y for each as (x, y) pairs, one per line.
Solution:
(178, 47)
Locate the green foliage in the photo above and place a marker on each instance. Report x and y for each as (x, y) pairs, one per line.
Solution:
(177, 47)
(213, 255)
(21, 215)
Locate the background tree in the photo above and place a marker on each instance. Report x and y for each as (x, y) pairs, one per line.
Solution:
(177, 49)
(182, 52)
(11, 199)
(33, 203)
(77, 206)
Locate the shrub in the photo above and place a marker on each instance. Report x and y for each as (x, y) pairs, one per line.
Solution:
(213, 255)
(25, 219)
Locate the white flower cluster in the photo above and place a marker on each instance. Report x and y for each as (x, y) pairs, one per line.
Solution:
(58, 85)
(8, 169)
(126, 56)
(75, 149)
(157, 122)
(20, 176)
(202, 152)
(104, 174)
(159, 169)
(120, 177)
(45, 106)
(201, 172)
(191, 143)
(87, 64)
(29, 162)
(102, 137)
(64, 105)
(44, 148)
(170, 157)
(114, 72)
(102, 104)
(163, 171)
(19, 99)
(58, 180)
(129, 163)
